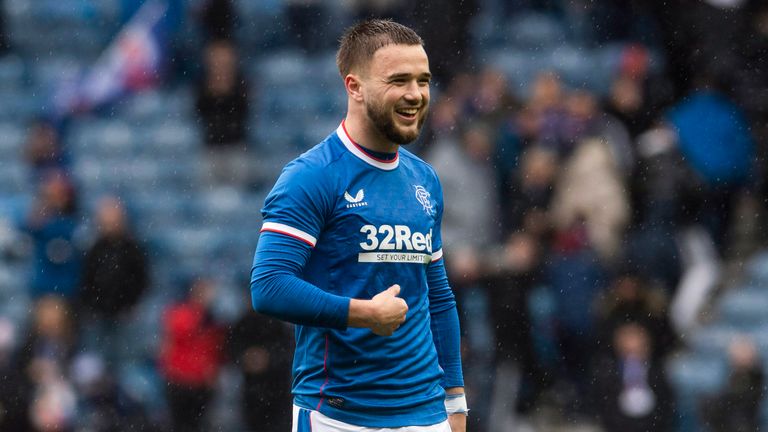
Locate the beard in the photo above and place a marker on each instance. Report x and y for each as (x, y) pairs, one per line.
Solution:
(384, 122)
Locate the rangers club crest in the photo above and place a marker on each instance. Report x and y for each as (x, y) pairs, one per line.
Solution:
(422, 196)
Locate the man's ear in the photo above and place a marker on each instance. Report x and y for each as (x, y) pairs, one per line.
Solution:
(353, 84)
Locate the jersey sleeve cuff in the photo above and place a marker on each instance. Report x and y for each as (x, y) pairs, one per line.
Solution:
(437, 255)
(338, 308)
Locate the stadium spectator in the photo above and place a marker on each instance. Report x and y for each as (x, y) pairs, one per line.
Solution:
(222, 106)
(660, 185)
(631, 392)
(626, 103)
(442, 121)
(464, 164)
(102, 405)
(491, 101)
(720, 151)
(527, 200)
(515, 271)
(545, 116)
(191, 356)
(218, 19)
(52, 224)
(574, 273)
(45, 359)
(115, 275)
(736, 408)
(636, 95)
(753, 79)
(303, 18)
(590, 193)
(42, 149)
(261, 347)
(631, 299)
(444, 25)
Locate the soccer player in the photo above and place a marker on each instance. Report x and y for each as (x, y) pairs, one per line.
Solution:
(350, 251)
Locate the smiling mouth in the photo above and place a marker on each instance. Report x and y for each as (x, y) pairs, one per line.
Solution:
(408, 113)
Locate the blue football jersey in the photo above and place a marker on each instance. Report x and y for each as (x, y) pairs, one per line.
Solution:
(370, 223)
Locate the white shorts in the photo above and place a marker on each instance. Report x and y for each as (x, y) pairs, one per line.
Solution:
(320, 423)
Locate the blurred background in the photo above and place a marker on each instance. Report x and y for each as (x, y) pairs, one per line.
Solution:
(603, 164)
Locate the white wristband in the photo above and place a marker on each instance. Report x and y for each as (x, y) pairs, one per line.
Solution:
(456, 404)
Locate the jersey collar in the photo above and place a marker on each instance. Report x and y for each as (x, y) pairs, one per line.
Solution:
(356, 150)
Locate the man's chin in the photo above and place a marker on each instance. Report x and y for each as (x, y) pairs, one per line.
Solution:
(407, 134)
(406, 137)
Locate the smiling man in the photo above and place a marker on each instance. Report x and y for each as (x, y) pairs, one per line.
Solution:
(350, 251)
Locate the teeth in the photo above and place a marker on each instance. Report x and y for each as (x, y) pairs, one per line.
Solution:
(409, 111)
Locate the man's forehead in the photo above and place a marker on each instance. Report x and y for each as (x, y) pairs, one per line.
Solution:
(399, 56)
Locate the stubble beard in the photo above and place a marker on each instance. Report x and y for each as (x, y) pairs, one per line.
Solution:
(384, 122)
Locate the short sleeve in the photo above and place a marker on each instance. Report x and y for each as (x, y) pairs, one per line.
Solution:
(299, 203)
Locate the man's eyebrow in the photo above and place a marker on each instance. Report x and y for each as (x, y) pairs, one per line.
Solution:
(426, 75)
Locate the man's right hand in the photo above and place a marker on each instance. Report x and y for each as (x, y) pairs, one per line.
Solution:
(383, 314)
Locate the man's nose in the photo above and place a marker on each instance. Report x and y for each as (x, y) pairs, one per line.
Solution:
(413, 93)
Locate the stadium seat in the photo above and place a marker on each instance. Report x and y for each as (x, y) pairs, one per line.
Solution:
(172, 137)
(519, 67)
(103, 138)
(18, 105)
(14, 179)
(574, 64)
(50, 70)
(12, 72)
(262, 24)
(534, 32)
(12, 142)
(713, 339)
(149, 105)
(325, 71)
(746, 306)
(757, 270)
(695, 374)
(142, 382)
(286, 67)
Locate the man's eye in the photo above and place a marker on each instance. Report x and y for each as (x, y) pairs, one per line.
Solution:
(398, 81)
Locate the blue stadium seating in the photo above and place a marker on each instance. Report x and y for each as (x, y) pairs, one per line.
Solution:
(520, 68)
(534, 32)
(11, 144)
(745, 306)
(19, 105)
(14, 179)
(12, 72)
(757, 270)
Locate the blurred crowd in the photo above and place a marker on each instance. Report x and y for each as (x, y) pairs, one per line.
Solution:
(585, 231)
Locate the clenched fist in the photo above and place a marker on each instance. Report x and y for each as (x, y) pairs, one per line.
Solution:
(383, 314)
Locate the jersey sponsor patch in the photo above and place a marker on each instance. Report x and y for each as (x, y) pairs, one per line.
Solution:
(395, 243)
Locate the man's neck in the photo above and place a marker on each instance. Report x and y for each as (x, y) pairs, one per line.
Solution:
(364, 134)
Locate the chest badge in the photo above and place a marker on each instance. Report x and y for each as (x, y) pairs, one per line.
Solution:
(355, 201)
(423, 197)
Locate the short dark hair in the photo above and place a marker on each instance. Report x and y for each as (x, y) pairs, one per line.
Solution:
(362, 40)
